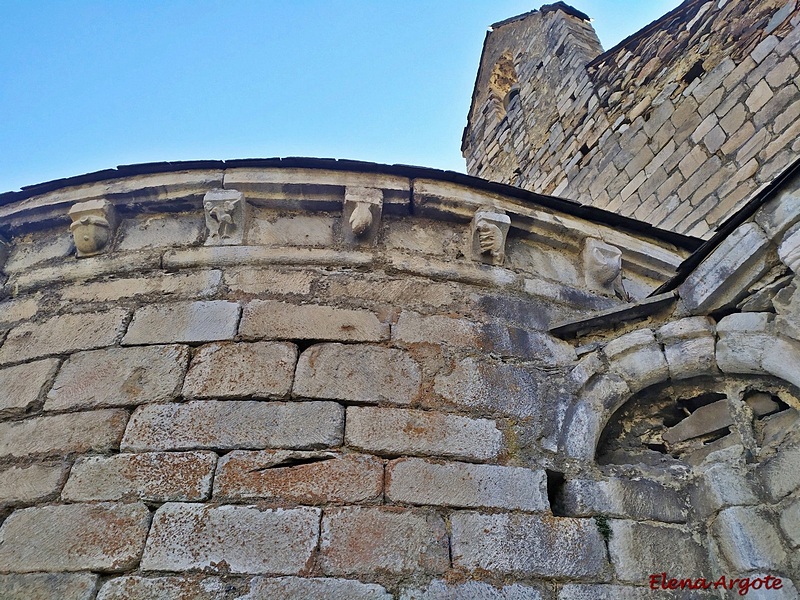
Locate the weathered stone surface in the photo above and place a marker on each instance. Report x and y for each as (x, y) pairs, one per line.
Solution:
(299, 588)
(268, 228)
(417, 481)
(30, 250)
(368, 374)
(75, 537)
(743, 338)
(301, 477)
(32, 483)
(240, 370)
(528, 545)
(119, 377)
(790, 523)
(17, 309)
(578, 591)
(159, 231)
(748, 539)
(201, 321)
(231, 425)
(397, 431)
(777, 215)
(706, 419)
(198, 284)
(475, 590)
(638, 358)
(98, 431)
(780, 475)
(153, 477)
(48, 586)
(689, 347)
(185, 587)
(722, 484)
(268, 319)
(639, 549)
(268, 281)
(638, 499)
(412, 328)
(235, 539)
(63, 334)
(400, 541)
(22, 386)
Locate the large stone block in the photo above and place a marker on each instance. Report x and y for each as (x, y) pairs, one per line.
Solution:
(593, 591)
(76, 537)
(271, 320)
(159, 231)
(363, 374)
(152, 477)
(637, 357)
(22, 387)
(706, 419)
(48, 586)
(689, 346)
(412, 328)
(299, 477)
(240, 370)
(528, 545)
(233, 539)
(302, 588)
(185, 587)
(439, 589)
(28, 484)
(780, 475)
(397, 431)
(400, 541)
(198, 284)
(98, 431)
(638, 499)
(231, 425)
(119, 377)
(251, 280)
(200, 321)
(62, 335)
(467, 485)
(748, 539)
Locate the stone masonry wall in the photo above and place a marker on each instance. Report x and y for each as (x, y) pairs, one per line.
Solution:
(676, 126)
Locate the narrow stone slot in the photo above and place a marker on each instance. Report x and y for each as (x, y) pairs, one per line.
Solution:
(296, 462)
(555, 486)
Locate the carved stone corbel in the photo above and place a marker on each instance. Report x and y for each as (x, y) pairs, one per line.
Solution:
(362, 214)
(488, 232)
(789, 251)
(226, 214)
(602, 267)
(92, 227)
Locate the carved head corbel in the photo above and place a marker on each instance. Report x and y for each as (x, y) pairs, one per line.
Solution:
(92, 227)
(489, 230)
(362, 212)
(602, 266)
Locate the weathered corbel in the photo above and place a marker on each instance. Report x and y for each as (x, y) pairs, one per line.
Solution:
(362, 214)
(92, 227)
(226, 214)
(602, 267)
(489, 230)
(789, 251)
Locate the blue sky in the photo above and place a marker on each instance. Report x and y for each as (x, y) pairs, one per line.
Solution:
(88, 85)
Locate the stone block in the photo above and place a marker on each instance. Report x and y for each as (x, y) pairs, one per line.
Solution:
(780, 475)
(759, 96)
(17, 309)
(528, 545)
(637, 357)
(720, 485)
(119, 377)
(231, 539)
(30, 251)
(400, 541)
(268, 319)
(439, 589)
(790, 522)
(639, 549)
(97, 431)
(152, 477)
(158, 231)
(363, 374)
(23, 386)
(29, 484)
(104, 538)
(299, 477)
(48, 586)
(412, 328)
(62, 335)
(747, 539)
(637, 499)
(200, 321)
(466, 485)
(706, 419)
(241, 370)
(780, 213)
(185, 587)
(249, 280)
(593, 591)
(269, 228)
(397, 431)
(689, 347)
(230, 425)
(306, 588)
(199, 284)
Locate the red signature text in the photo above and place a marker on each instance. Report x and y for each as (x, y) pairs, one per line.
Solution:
(660, 581)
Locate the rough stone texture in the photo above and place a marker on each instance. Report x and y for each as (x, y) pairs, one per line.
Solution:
(76, 537)
(271, 320)
(22, 387)
(201, 321)
(401, 541)
(475, 590)
(296, 588)
(185, 587)
(98, 431)
(578, 591)
(781, 475)
(172, 285)
(235, 539)
(301, 477)
(688, 347)
(747, 539)
(417, 481)
(528, 545)
(412, 328)
(239, 370)
(150, 232)
(259, 281)
(48, 586)
(639, 549)
(28, 484)
(638, 358)
(367, 374)
(397, 431)
(119, 377)
(152, 477)
(706, 419)
(232, 425)
(790, 523)
(62, 334)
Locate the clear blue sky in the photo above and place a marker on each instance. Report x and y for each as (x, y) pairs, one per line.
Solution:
(87, 85)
